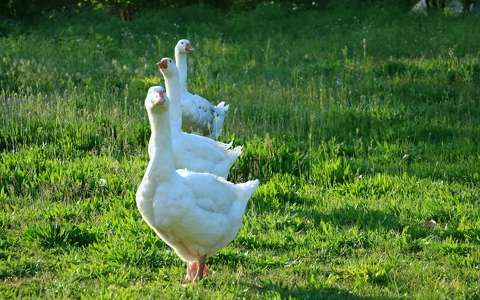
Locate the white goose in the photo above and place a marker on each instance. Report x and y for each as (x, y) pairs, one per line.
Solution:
(191, 151)
(197, 112)
(196, 214)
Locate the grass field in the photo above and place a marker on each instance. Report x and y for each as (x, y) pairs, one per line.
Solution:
(363, 127)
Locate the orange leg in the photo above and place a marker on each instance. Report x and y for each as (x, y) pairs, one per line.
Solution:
(192, 268)
(202, 269)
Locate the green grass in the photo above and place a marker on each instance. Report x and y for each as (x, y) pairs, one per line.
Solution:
(361, 125)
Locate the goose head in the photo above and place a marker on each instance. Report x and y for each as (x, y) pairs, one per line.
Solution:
(156, 100)
(184, 46)
(167, 67)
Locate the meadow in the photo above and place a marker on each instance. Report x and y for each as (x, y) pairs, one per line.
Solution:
(362, 125)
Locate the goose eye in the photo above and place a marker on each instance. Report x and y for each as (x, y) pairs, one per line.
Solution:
(181, 43)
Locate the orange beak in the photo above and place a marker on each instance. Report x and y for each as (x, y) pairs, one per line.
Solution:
(163, 63)
(189, 47)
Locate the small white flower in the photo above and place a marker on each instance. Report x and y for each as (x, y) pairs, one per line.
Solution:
(431, 224)
(102, 182)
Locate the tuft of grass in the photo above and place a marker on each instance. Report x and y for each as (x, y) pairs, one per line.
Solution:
(55, 235)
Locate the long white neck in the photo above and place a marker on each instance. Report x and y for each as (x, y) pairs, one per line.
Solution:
(181, 62)
(174, 93)
(161, 165)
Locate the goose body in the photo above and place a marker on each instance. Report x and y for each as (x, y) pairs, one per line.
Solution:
(196, 214)
(191, 151)
(197, 112)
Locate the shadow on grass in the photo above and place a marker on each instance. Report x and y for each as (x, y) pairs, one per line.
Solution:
(275, 290)
(362, 216)
(366, 219)
(347, 215)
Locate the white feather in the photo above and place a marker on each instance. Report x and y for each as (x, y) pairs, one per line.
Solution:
(194, 213)
(191, 151)
(197, 112)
